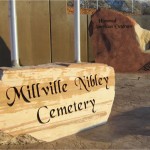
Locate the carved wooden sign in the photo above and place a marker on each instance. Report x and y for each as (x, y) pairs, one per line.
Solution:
(54, 101)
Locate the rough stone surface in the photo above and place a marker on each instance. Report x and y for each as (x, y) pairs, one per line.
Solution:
(127, 128)
(120, 43)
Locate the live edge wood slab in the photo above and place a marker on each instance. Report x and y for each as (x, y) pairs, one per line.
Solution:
(52, 101)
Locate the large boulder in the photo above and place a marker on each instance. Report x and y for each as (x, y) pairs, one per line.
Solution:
(48, 102)
(119, 41)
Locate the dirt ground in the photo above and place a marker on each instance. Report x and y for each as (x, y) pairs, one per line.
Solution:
(128, 126)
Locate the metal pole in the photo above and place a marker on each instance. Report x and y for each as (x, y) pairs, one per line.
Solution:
(77, 30)
(97, 4)
(132, 6)
(14, 34)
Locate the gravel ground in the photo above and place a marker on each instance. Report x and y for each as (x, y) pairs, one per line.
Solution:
(128, 126)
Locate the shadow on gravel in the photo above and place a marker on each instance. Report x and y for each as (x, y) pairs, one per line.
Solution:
(135, 122)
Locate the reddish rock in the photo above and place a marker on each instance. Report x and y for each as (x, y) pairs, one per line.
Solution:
(119, 41)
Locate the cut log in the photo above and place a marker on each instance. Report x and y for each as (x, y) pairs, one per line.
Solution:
(53, 101)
